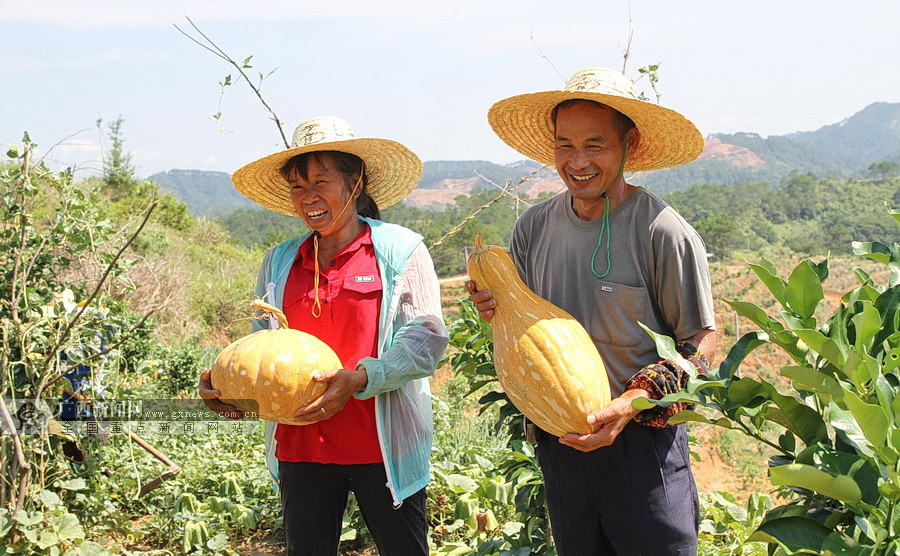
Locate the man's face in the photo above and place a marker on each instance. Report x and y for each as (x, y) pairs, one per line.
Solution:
(588, 150)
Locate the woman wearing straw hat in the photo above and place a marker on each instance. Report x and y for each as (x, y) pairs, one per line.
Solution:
(614, 255)
(369, 290)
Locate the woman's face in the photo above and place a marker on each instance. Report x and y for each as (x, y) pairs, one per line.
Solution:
(320, 198)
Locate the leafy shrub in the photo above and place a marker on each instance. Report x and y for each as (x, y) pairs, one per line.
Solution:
(837, 407)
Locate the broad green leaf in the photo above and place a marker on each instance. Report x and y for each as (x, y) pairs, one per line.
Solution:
(731, 364)
(800, 419)
(218, 543)
(871, 418)
(686, 415)
(804, 290)
(794, 532)
(759, 317)
(840, 487)
(848, 429)
(461, 483)
(67, 526)
(892, 360)
(6, 523)
(867, 323)
(27, 519)
(823, 345)
(665, 347)
(49, 499)
(862, 276)
(47, 539)
(745, 390)
(839, 544)
(767, 274)
(807, 378)
(873, 250)
(72, 484)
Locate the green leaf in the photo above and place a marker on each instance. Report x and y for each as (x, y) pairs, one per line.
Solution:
(849, 429)
(28, 519)
(218, 543)
(759, 317)
(823, 345)
(686, 415)
(794, 532)
(872, 249)
(72, 484)
(47, 539)
(67, 526)
(796, 417)
(90, 548)
(840, 487)
(768, 275)
(743, 391)
(748, 342)
(461, 483)
(49, 499)
(871, 418)
(867, 323)
(807, 378)
(665, 347)
(839, 544)
(804, 290)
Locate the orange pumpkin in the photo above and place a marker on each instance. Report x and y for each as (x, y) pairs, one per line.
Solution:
(271, 371)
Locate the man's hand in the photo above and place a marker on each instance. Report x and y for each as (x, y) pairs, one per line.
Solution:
(211, 398)
(341, 385)
(484, 300)
(609, 422)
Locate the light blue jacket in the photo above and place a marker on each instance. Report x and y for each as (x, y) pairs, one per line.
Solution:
(411, 341)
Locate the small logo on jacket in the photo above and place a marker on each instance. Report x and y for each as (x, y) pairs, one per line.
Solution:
(605, 289)
(369, 278)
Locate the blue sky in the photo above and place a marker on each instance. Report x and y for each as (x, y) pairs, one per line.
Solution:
(423, 73)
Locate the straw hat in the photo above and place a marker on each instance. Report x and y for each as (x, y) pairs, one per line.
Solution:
(525, 122)
(392, 170)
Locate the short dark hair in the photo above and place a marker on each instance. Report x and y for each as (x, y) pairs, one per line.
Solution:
(623, 123)
(348, 165)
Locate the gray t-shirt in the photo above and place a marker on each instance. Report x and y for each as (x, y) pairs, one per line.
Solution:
(658, 275)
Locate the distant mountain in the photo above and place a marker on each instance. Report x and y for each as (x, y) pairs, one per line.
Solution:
(844, 149)
(204, 192)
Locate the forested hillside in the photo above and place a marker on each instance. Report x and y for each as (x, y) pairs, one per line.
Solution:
(802, 214)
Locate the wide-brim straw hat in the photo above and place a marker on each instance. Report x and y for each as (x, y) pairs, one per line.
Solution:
(525, 122)
(392, 169)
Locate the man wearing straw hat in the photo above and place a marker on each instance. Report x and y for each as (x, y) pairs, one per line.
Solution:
(614, 255)
(369, 290)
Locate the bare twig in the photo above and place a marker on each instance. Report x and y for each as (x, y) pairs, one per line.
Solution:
(627, 52)
(505, 188)
(544, 56)
(51, 356)
(124, 338)
(23, 466)
(215, 50)
(504, 193)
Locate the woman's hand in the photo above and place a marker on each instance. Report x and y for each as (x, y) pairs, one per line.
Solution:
(211, 398)
(484, 301)
(341, 385)
(609, 422)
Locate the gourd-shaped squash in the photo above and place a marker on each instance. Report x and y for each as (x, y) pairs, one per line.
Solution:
(271, 370)
(544, 358)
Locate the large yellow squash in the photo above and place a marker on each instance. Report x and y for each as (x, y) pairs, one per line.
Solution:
(545, 359)
(272, 370)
